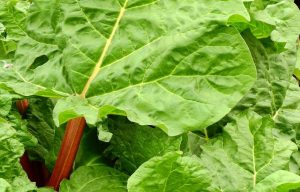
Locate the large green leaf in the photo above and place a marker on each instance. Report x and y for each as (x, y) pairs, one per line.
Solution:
(156, 61)
(249, 150)
(133, 144)
(95, 178)
(170, 173)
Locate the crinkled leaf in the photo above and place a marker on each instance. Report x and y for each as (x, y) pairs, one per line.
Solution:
(170, 173)
(40, 123)
(274, 72)
(53, 152)
(287, 118)
(279, 181)
(22, 132)
(96, 178)
(139, 57)
(295, 163)
(249, 150)
(133, 144)
(278, 19)
(5, 102)
(12, 16)
(11, 149)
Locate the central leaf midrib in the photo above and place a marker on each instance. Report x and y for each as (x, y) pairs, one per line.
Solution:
(104, 52)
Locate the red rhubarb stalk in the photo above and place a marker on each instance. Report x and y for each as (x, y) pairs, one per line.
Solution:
(36, 170)
(27, 166)
(22, 106)
(68, 151)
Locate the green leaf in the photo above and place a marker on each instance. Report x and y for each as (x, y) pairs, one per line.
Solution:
(278, 19)
(5, 102)
(287, 118)
(279, 181)
(170, 173)
(194, 143)
(297, 68)
(11, 149)
(71, 107)
(96, 178)
(40, 123)
(136, 58)
(274, 69)
(4, 185)
(12, 16)
(103, 132)
(133, 144)
(249, 150)
(295, 163)
(90, 151)
(20, 125)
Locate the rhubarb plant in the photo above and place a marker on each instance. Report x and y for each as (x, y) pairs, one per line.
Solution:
(191, 95)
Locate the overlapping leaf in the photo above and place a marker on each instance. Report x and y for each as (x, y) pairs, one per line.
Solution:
(287, 118)
(274, 68)
(269, 19)
(133, 144)
(248, 152)
(169, 173)
(12, 176)
(139, 57)
(95, 178)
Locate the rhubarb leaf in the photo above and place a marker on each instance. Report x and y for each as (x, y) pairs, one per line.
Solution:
(12, 176)
(5, 102)
(40, 123)
(274, 69)
(279, 181)
(287, 118)
(95, 178)
(13, 16)
(133, 144)
(4, 185)
(91, 150)
(170, 173)
(249, 150)
(280, 20)
(135, 58)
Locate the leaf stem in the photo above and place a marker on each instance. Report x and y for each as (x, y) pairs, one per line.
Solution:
(22, 106)
(206, 134)
(68, 151)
